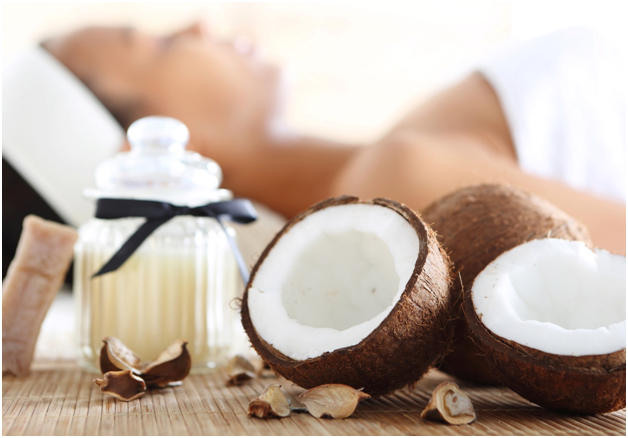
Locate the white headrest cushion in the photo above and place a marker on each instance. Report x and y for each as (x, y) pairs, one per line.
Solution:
(55, 131)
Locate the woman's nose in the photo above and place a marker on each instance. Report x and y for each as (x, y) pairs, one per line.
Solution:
(198, 29)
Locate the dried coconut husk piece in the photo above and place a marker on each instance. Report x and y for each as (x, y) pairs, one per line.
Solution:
(333, 400)
(449, 404)
(172, 365)
(240, 370)
(168, 369)
(271, 403)
(43, 256)
(123, 385)
(115, 356)
(475, 225)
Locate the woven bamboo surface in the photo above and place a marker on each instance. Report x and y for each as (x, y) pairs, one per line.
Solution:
(57, 398)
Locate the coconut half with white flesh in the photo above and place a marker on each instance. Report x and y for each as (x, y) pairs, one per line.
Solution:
(550, 315)
(475, 224)
(353, 292)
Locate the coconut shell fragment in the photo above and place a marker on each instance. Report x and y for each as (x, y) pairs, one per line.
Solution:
(123, 385)
(450, 405)
(271, 403)
(115, 356)
(333, 400)
(411, 337)
(172, 365)
(475, 225)
(240, 370)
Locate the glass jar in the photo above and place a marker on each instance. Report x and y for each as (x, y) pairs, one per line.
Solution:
(182, 281)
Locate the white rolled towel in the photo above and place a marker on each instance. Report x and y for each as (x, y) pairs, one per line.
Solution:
(564, 96)
(55, 131)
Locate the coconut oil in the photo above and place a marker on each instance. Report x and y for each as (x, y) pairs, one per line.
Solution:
(182, 281)
(180, 284)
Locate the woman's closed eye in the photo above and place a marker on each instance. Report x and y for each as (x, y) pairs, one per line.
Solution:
(164, 43)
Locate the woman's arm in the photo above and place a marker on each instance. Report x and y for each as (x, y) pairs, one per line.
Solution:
(290, 174)
(459, 137)
(417, 169)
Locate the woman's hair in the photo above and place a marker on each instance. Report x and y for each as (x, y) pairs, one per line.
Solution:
(19, 200)
(125, 109)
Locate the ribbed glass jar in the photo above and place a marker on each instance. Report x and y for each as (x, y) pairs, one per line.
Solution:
(181, 283)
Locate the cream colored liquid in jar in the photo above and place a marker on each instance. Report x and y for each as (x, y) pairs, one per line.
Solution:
(180, 284)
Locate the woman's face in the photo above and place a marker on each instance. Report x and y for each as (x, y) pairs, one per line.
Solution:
(221, 91)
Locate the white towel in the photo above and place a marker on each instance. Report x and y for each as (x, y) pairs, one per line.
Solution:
(564, 96)
(54, 131)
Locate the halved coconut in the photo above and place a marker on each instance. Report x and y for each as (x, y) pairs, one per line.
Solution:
(475, 225)
(550, 316)
(353, 292)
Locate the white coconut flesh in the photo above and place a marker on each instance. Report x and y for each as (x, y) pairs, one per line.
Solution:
(332, 278)
(556, 296)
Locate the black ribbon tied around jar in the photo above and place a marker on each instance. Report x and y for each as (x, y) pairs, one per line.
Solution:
(158, 213)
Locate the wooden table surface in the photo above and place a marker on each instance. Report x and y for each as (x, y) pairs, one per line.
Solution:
(58, 398)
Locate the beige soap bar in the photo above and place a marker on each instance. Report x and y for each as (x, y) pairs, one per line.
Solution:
(34, 277)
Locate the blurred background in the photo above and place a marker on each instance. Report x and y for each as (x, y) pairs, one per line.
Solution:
(353, 68)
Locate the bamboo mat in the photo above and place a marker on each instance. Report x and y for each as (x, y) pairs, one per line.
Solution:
(60, 399)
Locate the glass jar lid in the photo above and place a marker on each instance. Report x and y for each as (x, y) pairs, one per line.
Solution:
(159, 168)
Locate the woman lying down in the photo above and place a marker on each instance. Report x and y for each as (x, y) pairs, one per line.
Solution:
(547, 115)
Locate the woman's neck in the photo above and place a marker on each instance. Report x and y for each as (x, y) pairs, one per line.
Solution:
(289, 174)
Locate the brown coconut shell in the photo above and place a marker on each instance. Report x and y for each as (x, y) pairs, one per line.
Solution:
(475, 225)
(403, 347)
(592, 384)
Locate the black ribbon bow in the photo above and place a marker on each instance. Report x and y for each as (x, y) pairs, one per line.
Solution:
(158, 213)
